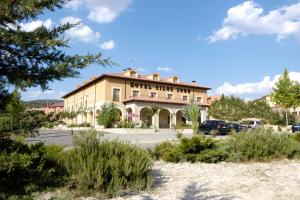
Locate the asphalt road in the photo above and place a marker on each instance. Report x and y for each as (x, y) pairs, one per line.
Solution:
(145, 140)
(65, 138)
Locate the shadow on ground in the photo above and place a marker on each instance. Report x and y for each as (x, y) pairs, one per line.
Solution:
(159, 178)
(195, 192)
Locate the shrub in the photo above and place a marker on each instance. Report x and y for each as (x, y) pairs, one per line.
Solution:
(109, 116)
(261, 145)
(84, 124)
(25, 169)
(198, 148)
(126, 124)
(107, 167)
(166, 151)
(296, 136)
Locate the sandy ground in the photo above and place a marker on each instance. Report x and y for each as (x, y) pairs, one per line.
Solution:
(224, 181)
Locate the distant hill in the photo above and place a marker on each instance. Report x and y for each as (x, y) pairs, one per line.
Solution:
(41, 103)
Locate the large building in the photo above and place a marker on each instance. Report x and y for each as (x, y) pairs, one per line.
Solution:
(133, 94)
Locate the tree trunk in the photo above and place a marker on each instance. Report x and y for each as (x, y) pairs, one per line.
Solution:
(286, 118)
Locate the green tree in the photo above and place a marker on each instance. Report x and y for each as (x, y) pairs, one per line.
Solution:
(35, 58)
(14, 110)
(286, 93)
(191, 112)
(109, 116)
(259, 109)
(228, 108)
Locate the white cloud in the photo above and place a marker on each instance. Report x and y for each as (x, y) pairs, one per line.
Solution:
(102, 11)
(31, 26)
(249, 18)
(165, 69)
(48, 94)
(253, 89)
(80, 32)
(108, 45)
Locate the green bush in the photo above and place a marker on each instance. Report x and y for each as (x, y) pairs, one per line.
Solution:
(84, 124)
(107, 167)
(296, 136)
(109, 116)
(261, 145)
(167, 151)
(126, 124)
(28, 168)
(195, 149)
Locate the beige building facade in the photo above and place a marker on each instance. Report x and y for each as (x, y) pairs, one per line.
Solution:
(133, 94)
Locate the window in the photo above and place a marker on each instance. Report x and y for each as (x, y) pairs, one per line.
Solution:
(153, 94)
(133, 74)
(175, 80)
(155, 77)
(199, 99)
(116, 94)
(135, 93)
(169, 96)
(184, 98)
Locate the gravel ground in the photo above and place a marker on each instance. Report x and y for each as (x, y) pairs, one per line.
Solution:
(224, 181)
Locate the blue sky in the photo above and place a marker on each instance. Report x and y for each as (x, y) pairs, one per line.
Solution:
(235, 47)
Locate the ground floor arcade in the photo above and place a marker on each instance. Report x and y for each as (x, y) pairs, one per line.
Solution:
(166, 117)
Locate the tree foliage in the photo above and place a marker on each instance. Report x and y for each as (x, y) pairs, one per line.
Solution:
(286, 92)
(109, 116)
(191, 112)
(35, 58)
(235, 109)
(228, 108)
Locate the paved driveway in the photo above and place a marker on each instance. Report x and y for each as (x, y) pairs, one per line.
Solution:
(64, 137)
(144, 140)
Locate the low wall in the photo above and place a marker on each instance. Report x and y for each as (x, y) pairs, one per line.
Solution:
(126, 130)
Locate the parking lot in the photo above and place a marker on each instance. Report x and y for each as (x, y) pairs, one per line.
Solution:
(145, 140)
(65, 138)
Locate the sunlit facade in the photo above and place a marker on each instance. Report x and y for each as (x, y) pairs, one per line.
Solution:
(133, 94)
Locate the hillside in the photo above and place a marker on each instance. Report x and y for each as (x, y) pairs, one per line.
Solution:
(40, 103)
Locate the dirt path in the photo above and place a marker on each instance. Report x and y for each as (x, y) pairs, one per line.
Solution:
(224, 181)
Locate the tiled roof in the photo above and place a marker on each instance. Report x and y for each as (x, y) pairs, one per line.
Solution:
(141, 78)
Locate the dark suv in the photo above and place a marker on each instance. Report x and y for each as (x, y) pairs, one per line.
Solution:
(220, 127)
(296, 128)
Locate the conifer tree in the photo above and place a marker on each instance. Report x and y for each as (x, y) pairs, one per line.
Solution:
(38, 57)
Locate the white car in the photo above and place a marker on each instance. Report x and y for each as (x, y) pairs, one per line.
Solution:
(251, 123)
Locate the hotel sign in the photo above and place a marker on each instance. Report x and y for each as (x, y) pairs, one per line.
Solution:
(159, 87)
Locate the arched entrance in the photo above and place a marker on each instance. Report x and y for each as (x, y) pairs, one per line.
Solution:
(91, 116)
(129, 114)
(180, 118)
(97, 112)
(164, 118)
(146, 116)
(120, 115)
(84, 118)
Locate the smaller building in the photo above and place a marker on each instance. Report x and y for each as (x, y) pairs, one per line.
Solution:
(212, 99)
(273, 105)
(54, 108)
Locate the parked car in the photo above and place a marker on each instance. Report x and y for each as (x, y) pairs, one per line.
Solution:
(236, 126)
(251, 123)
(221, 127)
(295, 128)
